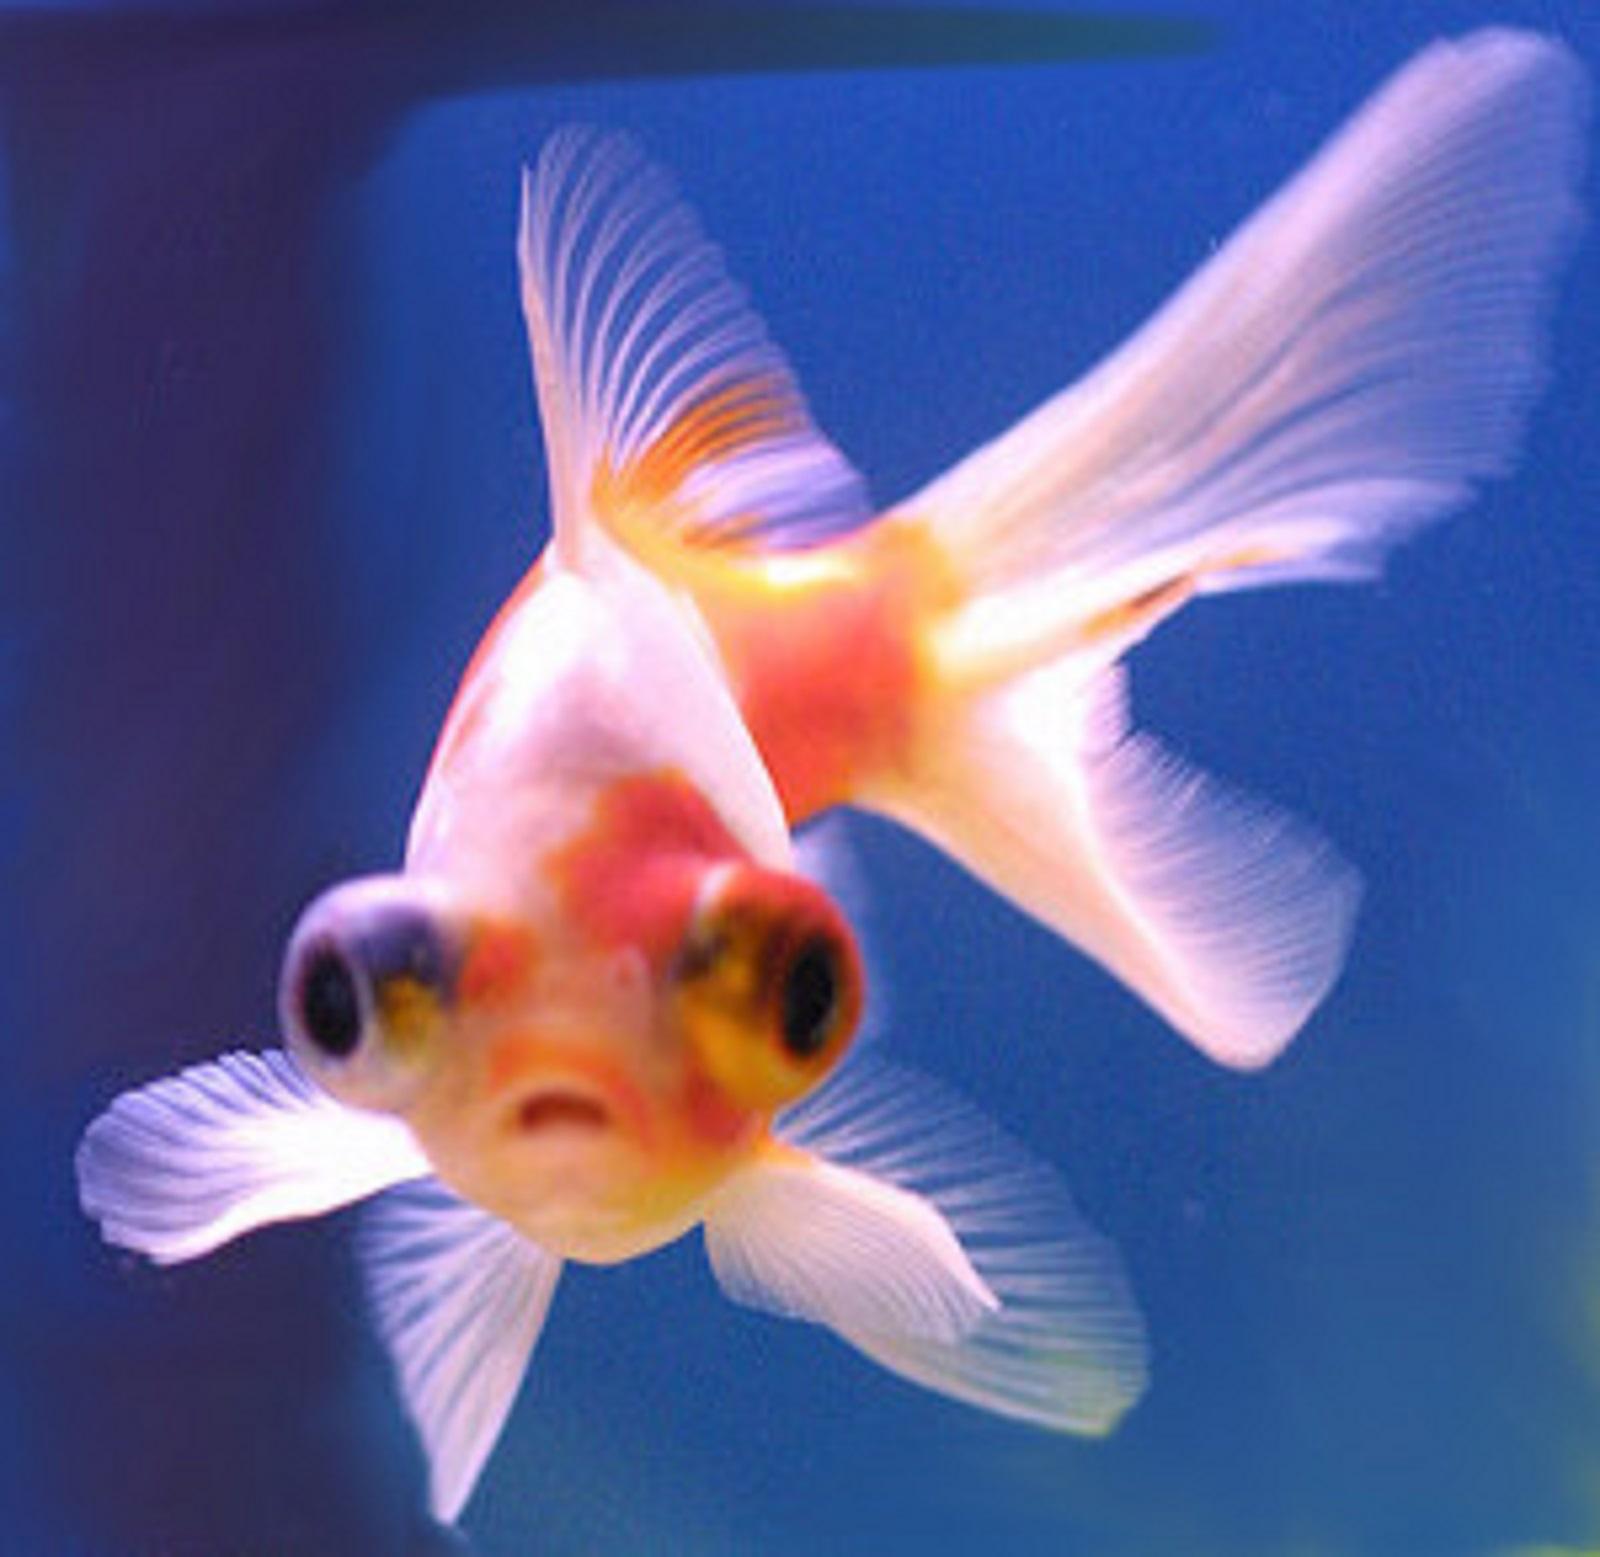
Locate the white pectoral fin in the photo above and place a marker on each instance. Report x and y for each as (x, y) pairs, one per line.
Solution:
(460, 1298)
(659, 389)
(174, 1169)
(893, 1214)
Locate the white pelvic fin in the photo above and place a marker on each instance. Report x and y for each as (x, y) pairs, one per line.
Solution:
(175, 1169)
(893, 1214)
(460, 1298)
(1357, 354)
(809, 1239)
(659, 389)
(1226, 915)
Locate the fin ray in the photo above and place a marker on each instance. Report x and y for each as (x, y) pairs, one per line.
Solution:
(1225, 914)
(808, 1239)
(175, 1169)
(1355, 357)
(1037, 1323)
(460, 1299)
(1357, 354)
(669, 414)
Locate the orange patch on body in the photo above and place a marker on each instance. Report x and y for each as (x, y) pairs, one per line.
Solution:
(630, 878)
(827, 662)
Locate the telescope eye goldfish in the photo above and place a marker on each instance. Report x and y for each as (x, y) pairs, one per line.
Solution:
(599, 1006)
(577, 1025)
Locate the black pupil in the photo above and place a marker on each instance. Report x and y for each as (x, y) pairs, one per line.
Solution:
(329, 1007)
(810, 990)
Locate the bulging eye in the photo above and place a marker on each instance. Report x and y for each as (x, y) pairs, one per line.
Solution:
(328, 1002)
(366, 982)
(768, 986)
(809, 997)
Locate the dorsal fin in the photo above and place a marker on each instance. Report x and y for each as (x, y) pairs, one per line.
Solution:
(669, 416)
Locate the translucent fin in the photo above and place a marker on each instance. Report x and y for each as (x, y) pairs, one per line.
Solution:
(808, 1239)
(1226, 915)
(177, 1168)
(460, 1299)
(1359, 352)
(898, 1217)
(825, 854)
(1338, 374)
(669, 414)
(1237, 915)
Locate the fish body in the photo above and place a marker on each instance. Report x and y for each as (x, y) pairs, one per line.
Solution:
(599, 1006)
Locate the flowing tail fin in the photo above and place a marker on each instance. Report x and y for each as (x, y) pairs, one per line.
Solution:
(1361, 351)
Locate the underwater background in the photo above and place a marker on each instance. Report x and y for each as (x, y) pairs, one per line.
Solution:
(269, 465)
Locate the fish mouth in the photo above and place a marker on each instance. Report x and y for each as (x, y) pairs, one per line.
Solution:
(559, 1108)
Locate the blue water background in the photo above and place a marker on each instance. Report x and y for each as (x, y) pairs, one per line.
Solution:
(1371, 1274)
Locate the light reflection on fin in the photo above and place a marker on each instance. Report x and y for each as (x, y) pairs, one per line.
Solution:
(175, 1169)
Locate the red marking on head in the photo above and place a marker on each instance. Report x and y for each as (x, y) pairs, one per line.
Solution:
(499, 961)
(631, 877)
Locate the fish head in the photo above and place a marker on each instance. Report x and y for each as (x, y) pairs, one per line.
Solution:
(591, 1056)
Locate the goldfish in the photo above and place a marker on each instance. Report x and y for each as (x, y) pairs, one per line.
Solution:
(565, 1030)
(600, 1006)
